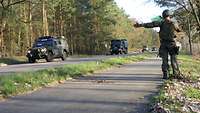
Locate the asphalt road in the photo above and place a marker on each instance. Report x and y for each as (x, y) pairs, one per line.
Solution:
(119, 90)
(56, 63)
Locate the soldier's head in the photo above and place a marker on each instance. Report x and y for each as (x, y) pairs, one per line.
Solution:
(167, 14)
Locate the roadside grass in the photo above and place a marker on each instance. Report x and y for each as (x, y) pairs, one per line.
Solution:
(190, 68)
(174, 93)
(165, 100)
(13, 60)
(193, 93)
(18, 83)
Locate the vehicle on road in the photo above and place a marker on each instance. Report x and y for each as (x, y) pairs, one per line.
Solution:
(119, 46)
(154, 49)
(48, 47)
(145, 48)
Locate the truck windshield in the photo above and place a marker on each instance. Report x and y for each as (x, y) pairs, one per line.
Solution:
(42, 43)
(115, 43)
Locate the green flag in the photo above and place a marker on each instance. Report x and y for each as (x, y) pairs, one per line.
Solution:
(157, 18)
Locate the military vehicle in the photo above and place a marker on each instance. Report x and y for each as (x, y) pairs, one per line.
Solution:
(145, 48)
(119, 46)
(48, 47)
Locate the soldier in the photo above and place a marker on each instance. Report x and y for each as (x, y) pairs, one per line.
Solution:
(167, 39)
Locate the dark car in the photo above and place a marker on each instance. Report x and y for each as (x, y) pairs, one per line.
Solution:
(48, 47)
(119, 46)
(154, 49)
(145, 48)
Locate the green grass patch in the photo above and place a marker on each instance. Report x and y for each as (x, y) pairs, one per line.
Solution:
(22, 82)
(160, 97)
(190, 67)
(192, 93)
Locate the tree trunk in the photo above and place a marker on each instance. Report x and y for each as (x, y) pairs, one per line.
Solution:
(2, 27)
(44, 18)
(30, 25)
(19, 41)
(189, 35)
(26, 40)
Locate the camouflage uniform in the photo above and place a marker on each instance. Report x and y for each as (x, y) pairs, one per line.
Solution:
(168, 44)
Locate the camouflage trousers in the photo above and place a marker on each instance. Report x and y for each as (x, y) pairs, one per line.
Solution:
(166, 50)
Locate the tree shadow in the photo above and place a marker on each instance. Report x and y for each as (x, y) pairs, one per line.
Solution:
(11, 61)
(122, 77)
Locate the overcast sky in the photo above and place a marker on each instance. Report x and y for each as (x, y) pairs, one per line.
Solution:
(141, 10)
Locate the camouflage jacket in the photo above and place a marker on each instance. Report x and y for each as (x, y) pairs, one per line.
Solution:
(167, 29)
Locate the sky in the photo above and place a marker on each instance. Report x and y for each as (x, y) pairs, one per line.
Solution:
(141, 10)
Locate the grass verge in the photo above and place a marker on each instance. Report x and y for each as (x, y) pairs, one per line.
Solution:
(13, 60)
(193, 93)
(182, 95)
(18, 83)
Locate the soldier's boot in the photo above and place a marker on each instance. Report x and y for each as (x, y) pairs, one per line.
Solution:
(165, 70)
(165, 75)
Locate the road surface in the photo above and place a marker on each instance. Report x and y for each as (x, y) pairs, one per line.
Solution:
(43, 64)
(119, 90)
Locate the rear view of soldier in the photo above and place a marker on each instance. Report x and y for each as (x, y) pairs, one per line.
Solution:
(168, 46)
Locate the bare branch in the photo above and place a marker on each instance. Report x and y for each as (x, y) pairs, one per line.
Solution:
(9, 3)
(17, 2)
(2, 4)
(195, 13)
(182, 5)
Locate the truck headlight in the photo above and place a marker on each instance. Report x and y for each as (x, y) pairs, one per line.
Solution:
(43, 50)
(29, 51)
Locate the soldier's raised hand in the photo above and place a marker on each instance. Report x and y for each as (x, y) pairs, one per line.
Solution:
(137, 25)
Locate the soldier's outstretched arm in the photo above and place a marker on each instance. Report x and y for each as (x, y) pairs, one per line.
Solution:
(148, 25)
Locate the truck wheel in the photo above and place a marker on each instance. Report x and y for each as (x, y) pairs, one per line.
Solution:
(49, 57)
(31, 60)
(125, 52)
(111, 53)
(64, 55)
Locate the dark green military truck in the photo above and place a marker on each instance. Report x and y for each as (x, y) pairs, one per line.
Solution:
(119, 46)
(48, 47)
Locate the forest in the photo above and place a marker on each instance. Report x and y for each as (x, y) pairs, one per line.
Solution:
(88, 25)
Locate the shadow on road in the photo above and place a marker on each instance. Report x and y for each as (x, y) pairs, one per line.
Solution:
(123, 77)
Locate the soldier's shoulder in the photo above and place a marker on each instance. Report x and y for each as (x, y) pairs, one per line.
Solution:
(162, 22)
(174, 21)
